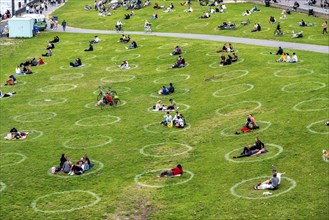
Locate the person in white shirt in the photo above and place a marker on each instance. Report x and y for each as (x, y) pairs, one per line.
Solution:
(294, 58)
(288, 58)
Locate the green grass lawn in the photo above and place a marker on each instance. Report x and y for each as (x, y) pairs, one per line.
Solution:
(129, 147)
(181, 22)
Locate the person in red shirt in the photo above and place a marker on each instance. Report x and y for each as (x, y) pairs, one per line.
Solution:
(41, 61)
(178, 170)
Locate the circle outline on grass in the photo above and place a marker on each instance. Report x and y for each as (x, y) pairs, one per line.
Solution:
(98, 117)
(174, 24)
(219, 66)
(294, 184)
(322, 85)
(80, 75)
(259, 105)
(308, 127)
(227, 156)
(156, 95)
(233, 94)
(245, 133)
(52, 113)
(34, 203)
(90, 171)
(164, 185)
(199, 25)
(138, 56)
(246, 72)
(109, 140)
(189, 148)
(15, 163)
(174, 129)
(179, 104)
(309, 110)
(43, 88)
(111, 81)
(93, 56)
(278, 71)
(187, 76)
(160, 68)
(3, 186)
(56, 103)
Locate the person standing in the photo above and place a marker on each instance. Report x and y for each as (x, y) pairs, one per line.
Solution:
(278, 30)
(324, 26)
(64, 25)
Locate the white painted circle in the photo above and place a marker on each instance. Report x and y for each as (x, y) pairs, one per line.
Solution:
(309, 127)
(47, 102)
(67, 143)
(215, 65)
(113, 68)
(118, 89)
(67, 76)
(196, 25)
(239, 126)
(267, 53)
(249, 87)
(88, 172)
(293, 185)
(302, 87)
(173, 24)
(170, 130)
(96, 200)
(180, 109)
(92, 121)
(178, 92)
(91, 56)
(2, 186)
(237, 103)
(78, 67)
(32, 115)
(278, 73)
(111, 79)
(58, 88)
(142, 150)
(168, 56)
(15, 162)
(172, 46)
(244, 160)
(173, 78)
(311, 109)
(126, 57)
(239, 74)
(163, 185)
(165, 68)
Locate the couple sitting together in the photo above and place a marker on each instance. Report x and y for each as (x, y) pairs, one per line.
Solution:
(16, 135)
(249, 126)
(169, 121)
(160, 107)
(167, 90)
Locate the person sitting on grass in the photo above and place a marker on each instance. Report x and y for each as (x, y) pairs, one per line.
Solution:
(133, 45)
(27, 69)
(11, 81)
(172, 105)
(180, 121)
(250, 124)
(177, 50)
(282, 58)
(254, 9)
(189, 9)
(302, 23)
(167, 119)
(19, 71)
(5, 95)
(55, 40)
(176, 171)
(180, 63)
(256, 28)
(50, 46)
(16, 135)
(253, 150)
(272, 20)
(91, 48)
(205, 15)
(95, 40)
(228, 61)
(271, 184)
(127, 16)
(154, 16)
(49, 53)
(159, 106)
(246, 13)
(235, 57)
(77, 63)
(170, 8)
(122, 38)
(107, 100)
(124, 65)
(171, 88)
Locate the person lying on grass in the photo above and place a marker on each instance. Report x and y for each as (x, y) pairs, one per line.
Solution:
(253, 150)
(49, 53)
(50, 46)
(77, 63)
(176, 171)
(16, 135)
(271, 184)
(205, 15)
(8, 94)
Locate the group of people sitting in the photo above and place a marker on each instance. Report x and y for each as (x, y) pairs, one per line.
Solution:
(50, 47)
(227, 26)
(180, 63)
(167, 90)
(67, 167)
(285, 57)
(172, 106)
(249, 125)
(228, 60)
(252, 150)
(16, 135)
(226, 48)
(178, 120)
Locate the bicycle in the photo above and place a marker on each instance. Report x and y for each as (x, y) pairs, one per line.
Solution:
(102, 95)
